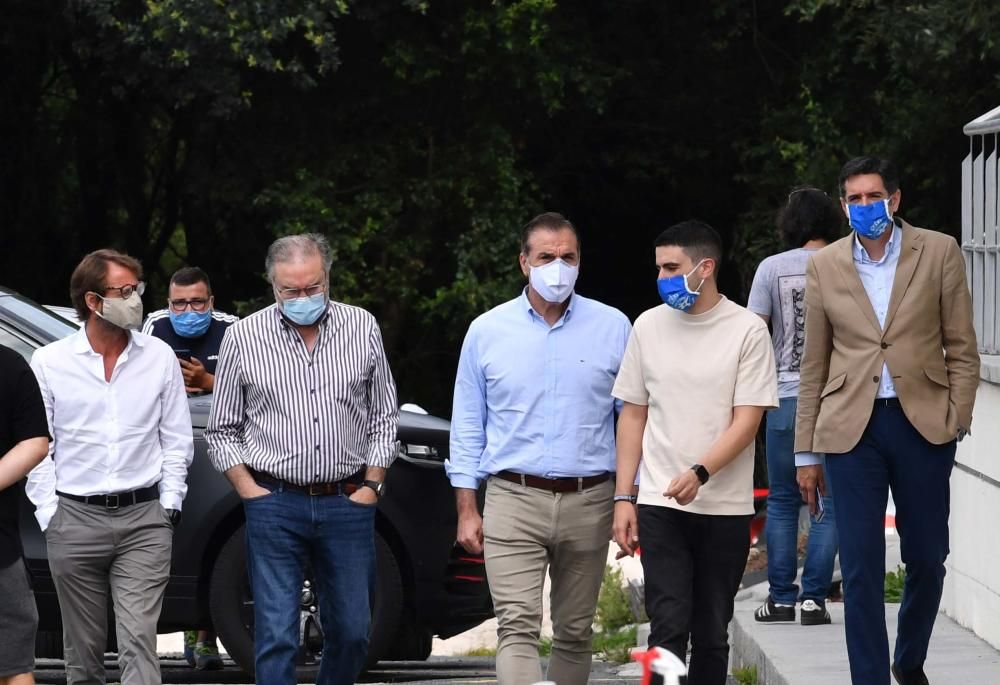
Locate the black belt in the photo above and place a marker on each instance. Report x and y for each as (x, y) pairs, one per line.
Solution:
(887, 402)
(347, 486)
(118, 499)
(568, 484)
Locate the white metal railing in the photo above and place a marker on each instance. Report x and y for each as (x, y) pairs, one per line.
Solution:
(980, 219)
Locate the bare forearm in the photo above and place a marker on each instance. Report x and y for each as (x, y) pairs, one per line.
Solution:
(631, 426)
(242, 481)
(741, 432)
(465, 501)
(21, 458)
(375, 473)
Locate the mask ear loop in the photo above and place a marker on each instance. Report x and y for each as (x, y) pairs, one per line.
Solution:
(688, 288)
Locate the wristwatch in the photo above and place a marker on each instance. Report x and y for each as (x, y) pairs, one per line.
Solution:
(375, 485)
(701, 472)
(175, 517)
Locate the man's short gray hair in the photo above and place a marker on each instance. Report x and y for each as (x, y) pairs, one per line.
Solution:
(295, 247)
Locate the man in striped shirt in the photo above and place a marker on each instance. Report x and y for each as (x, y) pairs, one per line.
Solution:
(304, 426)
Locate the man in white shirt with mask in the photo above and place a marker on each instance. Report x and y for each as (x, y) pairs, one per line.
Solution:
(109, 493)
(533, 418)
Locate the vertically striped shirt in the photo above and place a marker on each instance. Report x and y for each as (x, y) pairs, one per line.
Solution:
(299, 416)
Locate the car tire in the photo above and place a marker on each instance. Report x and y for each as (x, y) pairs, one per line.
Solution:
(413, 642)
(229, 591)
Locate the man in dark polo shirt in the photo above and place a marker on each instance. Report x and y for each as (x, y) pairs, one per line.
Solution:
(24, 442)
(191, 326)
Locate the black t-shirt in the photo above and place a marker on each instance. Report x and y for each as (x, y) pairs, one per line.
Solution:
(204, 348)
(22, 416)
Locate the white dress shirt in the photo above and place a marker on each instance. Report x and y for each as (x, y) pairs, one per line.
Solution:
(111, 437)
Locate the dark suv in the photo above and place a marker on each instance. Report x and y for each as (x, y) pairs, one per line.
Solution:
(425, 585)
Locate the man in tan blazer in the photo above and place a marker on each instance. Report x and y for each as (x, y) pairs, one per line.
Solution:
(888, 381)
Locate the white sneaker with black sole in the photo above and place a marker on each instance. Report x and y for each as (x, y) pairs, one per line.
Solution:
(814, 614)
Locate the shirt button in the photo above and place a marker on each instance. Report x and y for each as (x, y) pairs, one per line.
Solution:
(875, 379)
(313, 391)
(885, 345)
(315, 419)
(317, 448)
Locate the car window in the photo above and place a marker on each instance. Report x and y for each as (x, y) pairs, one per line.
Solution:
(54, 327)
(16, 343)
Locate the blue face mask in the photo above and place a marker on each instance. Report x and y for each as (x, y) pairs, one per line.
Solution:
(304, 311)
(191, 324)
(675, 291)
(870, 221)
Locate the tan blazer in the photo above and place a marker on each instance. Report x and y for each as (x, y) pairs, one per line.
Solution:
(928, 343)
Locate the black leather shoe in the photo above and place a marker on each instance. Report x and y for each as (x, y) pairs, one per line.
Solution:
(915, 677)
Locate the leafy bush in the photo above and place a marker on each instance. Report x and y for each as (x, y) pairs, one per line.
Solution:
(894, 581)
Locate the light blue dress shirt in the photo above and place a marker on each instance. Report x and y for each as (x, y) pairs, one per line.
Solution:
(877, 277)
(536, 399)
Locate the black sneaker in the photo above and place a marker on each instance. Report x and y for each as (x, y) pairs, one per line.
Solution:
(769, 612)
(814, 614)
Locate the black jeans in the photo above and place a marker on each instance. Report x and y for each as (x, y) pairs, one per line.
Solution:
(693, 565)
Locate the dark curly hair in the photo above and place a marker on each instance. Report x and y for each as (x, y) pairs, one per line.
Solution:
(810, 214)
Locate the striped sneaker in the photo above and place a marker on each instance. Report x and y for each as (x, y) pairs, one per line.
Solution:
(814, 614)
(769, 612)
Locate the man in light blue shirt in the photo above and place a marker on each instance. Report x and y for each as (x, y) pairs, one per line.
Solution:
(533, 416)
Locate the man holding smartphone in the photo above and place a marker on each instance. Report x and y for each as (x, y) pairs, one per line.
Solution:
(192, 326)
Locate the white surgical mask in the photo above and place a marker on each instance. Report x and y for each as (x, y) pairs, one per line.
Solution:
(554, 281)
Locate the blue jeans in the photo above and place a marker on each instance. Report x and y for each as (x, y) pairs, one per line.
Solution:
(891, 454)
(783, 505)
(286, 531)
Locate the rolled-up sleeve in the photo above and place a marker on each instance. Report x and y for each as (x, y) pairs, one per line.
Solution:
(468, 418)
(41, 485)
(176, 438)
(224, 432)
(383, 410)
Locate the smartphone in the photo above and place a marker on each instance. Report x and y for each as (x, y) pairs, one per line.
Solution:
(183, 354)
(820, 511)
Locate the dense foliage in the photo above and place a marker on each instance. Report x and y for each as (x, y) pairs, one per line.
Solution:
(420, 135)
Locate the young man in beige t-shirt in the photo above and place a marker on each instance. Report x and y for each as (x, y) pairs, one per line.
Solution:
(697, 376)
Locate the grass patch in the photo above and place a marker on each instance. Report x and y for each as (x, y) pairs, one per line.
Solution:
(894, 581)
(746, 675)
(480, 651)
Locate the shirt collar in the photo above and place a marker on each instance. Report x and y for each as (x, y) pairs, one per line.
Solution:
(861, 254)
(81, 343)
(526, 303)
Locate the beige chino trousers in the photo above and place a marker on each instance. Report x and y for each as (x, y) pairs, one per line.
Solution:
(527, 531)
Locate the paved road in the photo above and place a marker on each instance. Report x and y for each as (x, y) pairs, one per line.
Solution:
(445, 670)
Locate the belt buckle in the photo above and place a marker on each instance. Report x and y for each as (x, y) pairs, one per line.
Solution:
(579, 484)
(108, 505)
(314, 490)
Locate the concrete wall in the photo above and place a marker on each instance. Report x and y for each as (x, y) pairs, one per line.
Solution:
(972, 585)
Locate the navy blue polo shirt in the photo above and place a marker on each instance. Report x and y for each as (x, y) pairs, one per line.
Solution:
(204, 348)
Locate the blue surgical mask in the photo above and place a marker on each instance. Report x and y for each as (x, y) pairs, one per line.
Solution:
(191, 324)
(304, 311)
(675, 291)
(870, 221)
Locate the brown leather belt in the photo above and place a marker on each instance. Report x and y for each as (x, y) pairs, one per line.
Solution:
(347, 486)
(554, 484)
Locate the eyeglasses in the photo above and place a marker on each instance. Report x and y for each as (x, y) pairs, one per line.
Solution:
(198, 304)
(127, 290)
(293, 293)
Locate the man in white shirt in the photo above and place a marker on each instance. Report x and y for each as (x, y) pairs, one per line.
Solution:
(109, 493)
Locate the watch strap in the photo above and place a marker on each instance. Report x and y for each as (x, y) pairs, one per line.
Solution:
(375, 485)
(701, 472)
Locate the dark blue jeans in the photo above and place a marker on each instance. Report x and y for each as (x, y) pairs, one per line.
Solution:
(783, 505)
(287, 530)
(891, 454)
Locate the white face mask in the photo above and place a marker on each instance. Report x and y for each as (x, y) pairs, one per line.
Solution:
(554, 281)
(125, 314)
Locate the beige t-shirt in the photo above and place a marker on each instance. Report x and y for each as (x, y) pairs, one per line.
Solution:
(691, 370)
